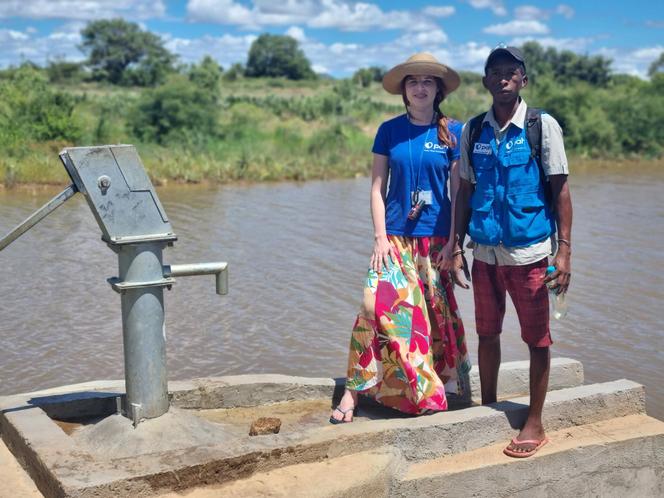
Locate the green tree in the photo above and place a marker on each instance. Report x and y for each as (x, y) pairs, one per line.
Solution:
(235, 72)
(121, 53)
(565, 66)
(367, 75)
(206, 73)
(657, 65)
(277, 55)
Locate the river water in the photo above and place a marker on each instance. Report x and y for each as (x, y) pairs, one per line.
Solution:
(297, 255)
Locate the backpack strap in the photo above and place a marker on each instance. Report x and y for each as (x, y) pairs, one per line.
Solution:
(534, 136)
(475, 130)
(534, 133)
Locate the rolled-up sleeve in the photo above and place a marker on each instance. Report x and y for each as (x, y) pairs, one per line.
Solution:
(554, 159)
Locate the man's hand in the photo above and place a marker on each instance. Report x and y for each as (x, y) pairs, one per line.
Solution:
(460, 266)
(563, 272)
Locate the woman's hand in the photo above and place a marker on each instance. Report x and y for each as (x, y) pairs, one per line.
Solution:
(383, 254)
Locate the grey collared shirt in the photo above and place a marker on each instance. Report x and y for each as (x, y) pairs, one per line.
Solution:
(554, 162)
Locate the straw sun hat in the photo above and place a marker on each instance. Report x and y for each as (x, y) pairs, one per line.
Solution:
(419, 65)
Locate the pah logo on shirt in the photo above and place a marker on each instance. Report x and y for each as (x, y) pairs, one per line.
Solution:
(512, 143)
(432, 147)
(484, 149)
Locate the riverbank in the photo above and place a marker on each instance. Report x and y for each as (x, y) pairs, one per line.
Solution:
(166, 167)
(267, 129)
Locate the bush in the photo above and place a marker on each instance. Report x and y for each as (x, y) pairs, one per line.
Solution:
(31, 110)
(178, 111)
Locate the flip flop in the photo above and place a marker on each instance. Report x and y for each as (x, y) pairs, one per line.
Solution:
(343, 412)
(524, 454)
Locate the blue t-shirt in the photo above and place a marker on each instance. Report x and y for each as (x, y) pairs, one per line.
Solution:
(417, 161)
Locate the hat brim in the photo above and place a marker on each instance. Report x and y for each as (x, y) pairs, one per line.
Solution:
(393, 78)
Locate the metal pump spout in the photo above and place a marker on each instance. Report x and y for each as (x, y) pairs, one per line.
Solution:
(220, 270)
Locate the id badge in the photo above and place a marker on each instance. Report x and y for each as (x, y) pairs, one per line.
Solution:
(421, 195)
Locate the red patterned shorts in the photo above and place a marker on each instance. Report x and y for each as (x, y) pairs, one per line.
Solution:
(525, 285)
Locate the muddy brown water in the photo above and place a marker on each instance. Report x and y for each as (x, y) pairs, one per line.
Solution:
(298, 254)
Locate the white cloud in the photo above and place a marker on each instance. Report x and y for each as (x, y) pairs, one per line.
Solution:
(18, 46)
(226, 49)
(496, 6)
(635, 62)
(82, 9)
(297, 33)
(517, 27)
(317, 68)
(565, 10)
(9, 36)
(441, 11)
(423, 40)
(336, 14)
(364, 17)
(224, 12)
(530, 12)
(574, 44)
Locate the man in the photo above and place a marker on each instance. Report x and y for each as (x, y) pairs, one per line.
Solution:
(504, 205)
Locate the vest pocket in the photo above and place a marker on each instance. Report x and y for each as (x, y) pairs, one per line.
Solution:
(482, 227)
(527, 219)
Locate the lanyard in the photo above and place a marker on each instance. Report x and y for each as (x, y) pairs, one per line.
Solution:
(410, 155)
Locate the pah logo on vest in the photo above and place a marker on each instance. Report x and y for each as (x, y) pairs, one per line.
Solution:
(432, 147)
(484, 149)
(512, 143)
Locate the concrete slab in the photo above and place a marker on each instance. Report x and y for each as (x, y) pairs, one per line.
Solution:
(617, 457)
(260, 389)
(514, 377)
(15, 481)
(364, 474)
(64, 465)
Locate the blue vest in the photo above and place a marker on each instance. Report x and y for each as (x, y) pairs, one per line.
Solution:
(508, 205)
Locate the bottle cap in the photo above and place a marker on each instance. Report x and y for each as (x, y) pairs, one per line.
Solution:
(550, 269)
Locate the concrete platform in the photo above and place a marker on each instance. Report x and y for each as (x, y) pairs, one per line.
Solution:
(618, 457)
(72, 443)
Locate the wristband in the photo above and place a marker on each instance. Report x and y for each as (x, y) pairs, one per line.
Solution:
(565, 241)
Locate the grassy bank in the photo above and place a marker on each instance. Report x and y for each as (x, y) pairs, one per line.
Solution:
(254, 129)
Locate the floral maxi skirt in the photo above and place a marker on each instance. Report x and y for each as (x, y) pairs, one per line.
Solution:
(408, 339)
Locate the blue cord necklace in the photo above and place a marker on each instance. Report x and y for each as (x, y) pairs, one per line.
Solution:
(416, 203)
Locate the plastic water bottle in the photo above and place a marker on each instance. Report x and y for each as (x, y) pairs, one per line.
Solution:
(558, 302)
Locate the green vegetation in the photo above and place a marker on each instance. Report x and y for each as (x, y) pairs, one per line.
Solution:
(121, 53)
(277, 55)
(200, 122)
(367, 75)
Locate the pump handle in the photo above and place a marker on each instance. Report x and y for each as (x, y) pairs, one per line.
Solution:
(38, 215)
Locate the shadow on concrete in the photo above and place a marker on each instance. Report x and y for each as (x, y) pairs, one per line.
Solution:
(80, 406)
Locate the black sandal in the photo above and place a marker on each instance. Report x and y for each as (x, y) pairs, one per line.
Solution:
(343, 412)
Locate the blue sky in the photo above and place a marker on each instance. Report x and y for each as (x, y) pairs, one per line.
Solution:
(340, 36)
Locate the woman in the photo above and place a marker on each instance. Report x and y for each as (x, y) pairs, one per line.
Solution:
(408, 340)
